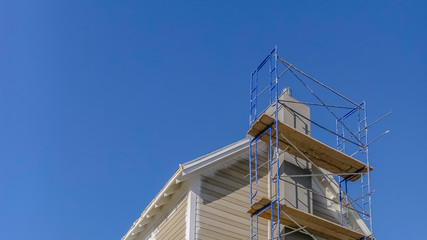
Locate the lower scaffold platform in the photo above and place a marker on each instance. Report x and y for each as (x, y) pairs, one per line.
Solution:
(313, 224)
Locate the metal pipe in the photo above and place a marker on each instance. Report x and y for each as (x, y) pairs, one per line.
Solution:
(315, 104)
(318, 82)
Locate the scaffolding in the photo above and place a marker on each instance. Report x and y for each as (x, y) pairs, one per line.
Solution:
(340, 163)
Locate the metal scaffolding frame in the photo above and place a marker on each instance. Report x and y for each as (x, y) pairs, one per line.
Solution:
(273, 156)
(344, 136)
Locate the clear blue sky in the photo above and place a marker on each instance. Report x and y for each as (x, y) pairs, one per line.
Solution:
(101, 100)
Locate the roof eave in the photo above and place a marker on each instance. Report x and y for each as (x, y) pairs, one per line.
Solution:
(137, 226)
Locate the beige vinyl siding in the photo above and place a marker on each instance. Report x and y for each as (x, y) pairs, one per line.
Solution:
(173, 226)
(224, 201)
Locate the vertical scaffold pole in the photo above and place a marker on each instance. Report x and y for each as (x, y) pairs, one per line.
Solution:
(365, 179)
(274, 147)
(362, 137)
(273, 158)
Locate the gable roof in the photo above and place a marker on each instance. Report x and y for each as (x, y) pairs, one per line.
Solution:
(184, 172)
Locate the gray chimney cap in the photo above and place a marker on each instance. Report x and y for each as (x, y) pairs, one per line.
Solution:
(287, 91)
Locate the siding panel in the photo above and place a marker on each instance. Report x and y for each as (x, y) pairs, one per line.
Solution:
(224, 202)
(173, 226)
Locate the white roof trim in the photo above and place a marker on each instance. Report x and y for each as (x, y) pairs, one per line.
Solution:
(215, 157)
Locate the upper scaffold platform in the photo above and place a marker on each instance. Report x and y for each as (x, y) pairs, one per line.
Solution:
(300, 144)
(311, 223)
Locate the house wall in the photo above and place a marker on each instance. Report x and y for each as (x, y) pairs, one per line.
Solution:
(173, 226)
(223, 203)
(170, 221)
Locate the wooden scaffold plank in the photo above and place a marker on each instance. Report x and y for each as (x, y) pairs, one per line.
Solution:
(319, 153)
(313, 224)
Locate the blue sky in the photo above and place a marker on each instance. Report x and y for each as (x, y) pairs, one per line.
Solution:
(101, 100)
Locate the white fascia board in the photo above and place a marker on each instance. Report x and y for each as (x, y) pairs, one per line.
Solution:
(213, 158)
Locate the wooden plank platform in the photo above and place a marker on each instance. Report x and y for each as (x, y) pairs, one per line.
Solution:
(319, 153)
(313, 224)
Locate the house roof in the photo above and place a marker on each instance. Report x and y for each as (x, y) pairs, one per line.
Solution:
(184, 172)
